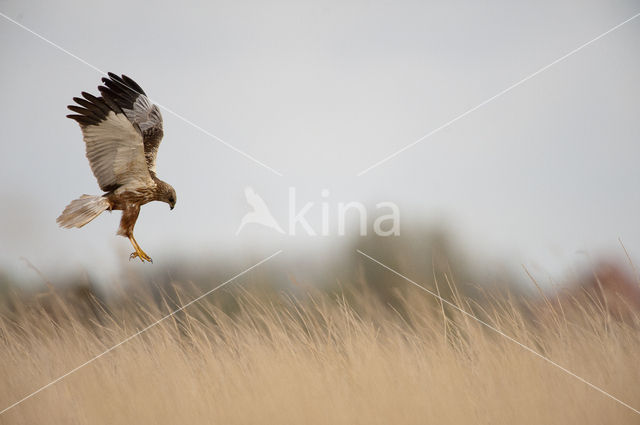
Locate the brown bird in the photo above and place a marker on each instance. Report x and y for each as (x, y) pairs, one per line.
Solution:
(122, 130)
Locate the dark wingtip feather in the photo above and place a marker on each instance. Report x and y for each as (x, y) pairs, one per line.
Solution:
(81, 111)
(110, 99)
(80, 119)
(116, 79)
(132, 84)
(93, 109)
(122, 82)
(89, 97)
(120, 92)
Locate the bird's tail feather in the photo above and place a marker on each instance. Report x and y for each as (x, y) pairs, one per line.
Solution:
(82, 210)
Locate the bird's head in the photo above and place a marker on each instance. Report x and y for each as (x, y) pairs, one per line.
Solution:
(171, 198)
(167, 194)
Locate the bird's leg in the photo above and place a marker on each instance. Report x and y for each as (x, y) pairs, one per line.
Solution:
(138, 251)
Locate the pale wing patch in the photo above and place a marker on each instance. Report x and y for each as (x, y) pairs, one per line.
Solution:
(144, 113)
(116, 152)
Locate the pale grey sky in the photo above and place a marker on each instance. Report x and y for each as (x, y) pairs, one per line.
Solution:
(320, 91)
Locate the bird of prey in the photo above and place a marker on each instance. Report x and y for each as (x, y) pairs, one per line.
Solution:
(122, 130)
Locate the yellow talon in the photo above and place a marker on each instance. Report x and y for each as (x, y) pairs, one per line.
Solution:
(139, 253)
(144, 257)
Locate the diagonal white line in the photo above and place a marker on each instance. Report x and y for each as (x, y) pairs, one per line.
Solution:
(492, 98)
(58, 379)
(175, 114)
(498, 331)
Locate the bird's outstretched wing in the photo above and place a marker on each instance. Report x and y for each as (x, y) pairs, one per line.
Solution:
(114, 144)
(135, 104)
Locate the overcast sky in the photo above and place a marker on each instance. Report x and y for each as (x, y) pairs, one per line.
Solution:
(319, 91)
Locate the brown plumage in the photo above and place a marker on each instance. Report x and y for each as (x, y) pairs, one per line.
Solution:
(122, 131)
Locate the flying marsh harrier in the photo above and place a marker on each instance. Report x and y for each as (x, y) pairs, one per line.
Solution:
(122, 130)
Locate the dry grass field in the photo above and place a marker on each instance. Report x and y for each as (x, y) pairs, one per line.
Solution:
(316, 358)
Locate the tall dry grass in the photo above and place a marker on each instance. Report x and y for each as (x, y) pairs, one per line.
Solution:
(346, 358)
